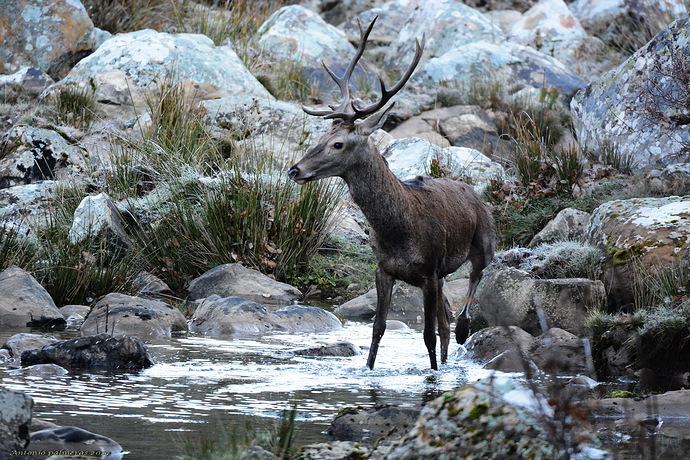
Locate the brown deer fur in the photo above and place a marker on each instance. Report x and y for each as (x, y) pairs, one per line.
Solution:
(421, 230)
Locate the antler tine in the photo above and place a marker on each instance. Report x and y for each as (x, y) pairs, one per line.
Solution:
(387, 94)
(342, 111)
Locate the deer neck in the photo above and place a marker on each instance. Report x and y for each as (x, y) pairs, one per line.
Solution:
(379, 194)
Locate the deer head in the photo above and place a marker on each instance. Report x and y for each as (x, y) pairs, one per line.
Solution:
(341, 149)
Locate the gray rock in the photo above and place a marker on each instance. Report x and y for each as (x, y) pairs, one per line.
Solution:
(147, 283)
(128, 66)
(406, 302)
(512, 361)
(674, 179)
(488, 343)
(447, 24)
(28, 81)
(15, 419)
(639, 236)
(97, 218)
(612, 20)
(516, 299)
(230, 280)
(518, 64)
(342, 348)
(392, 16)
(97, 352)
(569, 224)
(281, 129)
(44, 370)
(635, 108)
(491, 418)
(133, 316)
(335, 450)
(368, 425)
(35, 154)
(550, 27)
(36, 35)
(411, 157)
(559, 352)
(235, 315)
(25, 203)
(19, 343)
(73, 439)
(24, 302)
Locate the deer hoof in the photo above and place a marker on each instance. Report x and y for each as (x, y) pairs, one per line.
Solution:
(462, 330)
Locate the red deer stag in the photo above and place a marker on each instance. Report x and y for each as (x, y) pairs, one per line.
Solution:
(421, 230)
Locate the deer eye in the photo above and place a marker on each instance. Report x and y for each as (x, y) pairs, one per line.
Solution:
(338, 145)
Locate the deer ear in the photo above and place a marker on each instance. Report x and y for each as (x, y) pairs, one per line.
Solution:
(374, 122)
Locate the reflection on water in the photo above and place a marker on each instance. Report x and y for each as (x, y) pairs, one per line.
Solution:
(215, 384)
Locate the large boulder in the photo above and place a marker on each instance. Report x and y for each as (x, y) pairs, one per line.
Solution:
(640, 108)
(412, 157)
(295, 33)
(407, 302)
(511, 297)
(612, 20)
(568, 225)
(279, 129)
(96, 352)
(51, 35)
(447, 25)
(550, 27)
(30, 154)
(25, 303)
(15, 420)
(128, 66)
(235, 280)
(492, 418)
(639, 236)
(27, 81)
(97, 218)
(123, 315)
(391, 15)
(235, 315)
(505, 63)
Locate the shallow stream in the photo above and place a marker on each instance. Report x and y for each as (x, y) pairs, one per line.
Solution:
(214, 385)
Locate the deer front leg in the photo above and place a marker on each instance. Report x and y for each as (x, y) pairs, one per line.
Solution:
(431, 303)
(384, 289)
(443, 321)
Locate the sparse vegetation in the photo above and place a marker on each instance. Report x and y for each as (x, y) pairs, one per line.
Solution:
(75, 105)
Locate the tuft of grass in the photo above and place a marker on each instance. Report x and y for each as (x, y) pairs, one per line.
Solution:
(118, 16)
(75, 105)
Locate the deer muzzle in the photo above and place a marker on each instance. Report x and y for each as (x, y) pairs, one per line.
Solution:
(296, 174)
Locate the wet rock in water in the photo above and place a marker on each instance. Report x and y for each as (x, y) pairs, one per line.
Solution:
(486, 344)
(15, 419)
(73, 439)
(493, 418)
(336, 450)
(19, 343)
(369, 424)
(134, 316)
(512, 361)
(98, 352)
(511, 349)
(44, 370)
(561, 352)
(75, 314)
(342, 348)
(24, 302)
(235, 315)
(234, 280)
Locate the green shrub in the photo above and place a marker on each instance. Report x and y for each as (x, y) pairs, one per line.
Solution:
(75, 105)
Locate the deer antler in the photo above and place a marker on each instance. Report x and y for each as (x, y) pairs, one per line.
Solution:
(347, 110)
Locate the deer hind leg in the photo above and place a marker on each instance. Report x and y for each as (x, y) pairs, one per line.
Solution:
(431, 303)
(384, 289)
(479, 259)
(443, 317)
